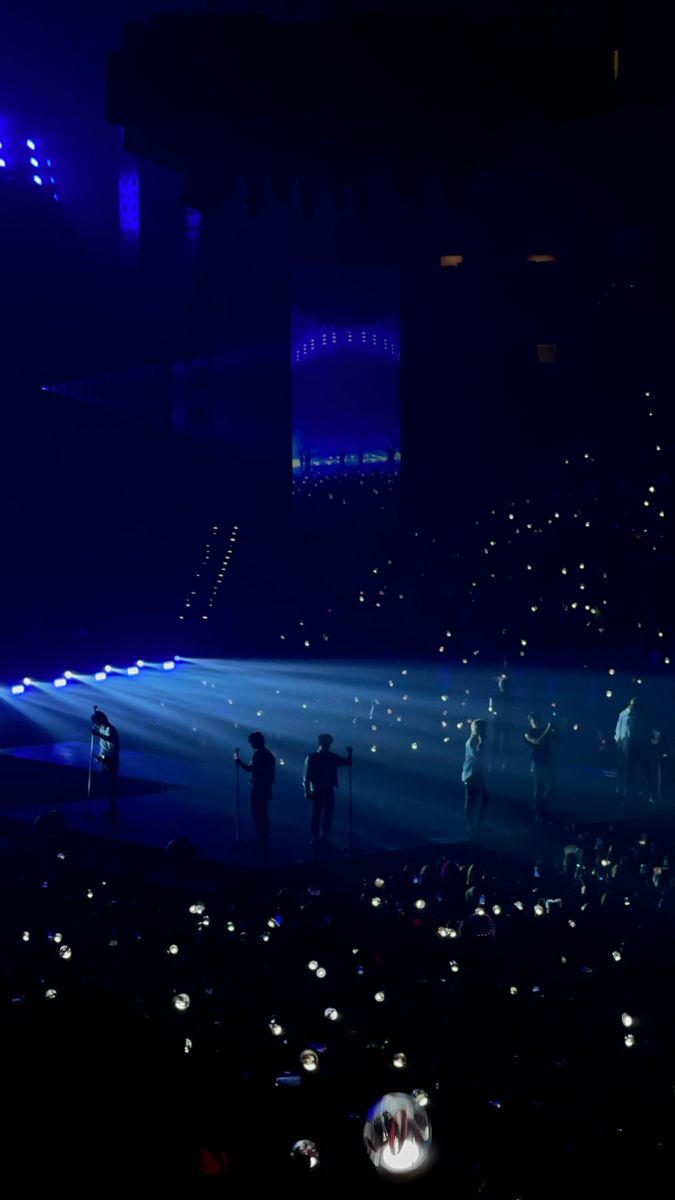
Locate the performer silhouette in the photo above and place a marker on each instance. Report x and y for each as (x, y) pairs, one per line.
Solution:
(261, 769)
(320, 781)
(108, 756)
(473, 775)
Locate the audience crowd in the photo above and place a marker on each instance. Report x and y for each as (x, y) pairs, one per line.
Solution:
(188, 1028)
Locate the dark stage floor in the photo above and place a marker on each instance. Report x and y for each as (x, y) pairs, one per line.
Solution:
(178, 731)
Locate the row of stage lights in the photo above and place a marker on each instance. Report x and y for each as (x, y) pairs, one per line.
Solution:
(345, 336)
(62, 681)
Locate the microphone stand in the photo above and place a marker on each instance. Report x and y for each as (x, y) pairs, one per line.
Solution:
(236, 814)
(91, 764)
(351, 849)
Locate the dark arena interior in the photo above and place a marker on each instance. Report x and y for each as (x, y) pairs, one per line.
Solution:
(337, 800)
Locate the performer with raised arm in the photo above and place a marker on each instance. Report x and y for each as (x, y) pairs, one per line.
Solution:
(320, 780)
(541, 739)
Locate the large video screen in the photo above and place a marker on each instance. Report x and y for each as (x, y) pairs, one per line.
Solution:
(345, 358)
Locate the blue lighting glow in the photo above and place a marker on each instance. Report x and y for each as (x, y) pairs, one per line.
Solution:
(60, 682)
(168, 666)
(129, 211)
(2, 162)
(139, 662)
(26, 681)
(107, 669)
(34, 162)
(355, 371)
(100, 676)
(37, 179)
(132, 670)
(31, 145)
(18, 689)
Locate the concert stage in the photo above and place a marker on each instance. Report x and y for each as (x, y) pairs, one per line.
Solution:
(179, 730)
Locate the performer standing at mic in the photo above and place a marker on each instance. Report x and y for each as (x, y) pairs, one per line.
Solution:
(108, 756)
(473, 775)
(261, 769)
(320, 781)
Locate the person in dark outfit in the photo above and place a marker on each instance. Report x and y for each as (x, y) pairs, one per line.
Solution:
(261, 769)
(541, 739)
(473, 776)
(320, 781)
(108, 756)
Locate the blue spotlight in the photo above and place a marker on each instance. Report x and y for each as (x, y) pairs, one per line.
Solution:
(100, 676)
(139, 662)
(60, 682)
(168, 666)
(18, 689)
(132, 670)
(67, 674)
(26, 681)
(37, 179)
(30, 144)
(107, 669)
(34, 162)
(2, 162)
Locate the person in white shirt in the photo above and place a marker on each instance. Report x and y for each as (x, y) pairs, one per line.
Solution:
(473, 775)
(634, 750)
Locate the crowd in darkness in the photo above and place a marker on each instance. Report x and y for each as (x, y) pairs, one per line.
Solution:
(155, 1028)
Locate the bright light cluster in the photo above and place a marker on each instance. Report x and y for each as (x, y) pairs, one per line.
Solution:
(202, 597)
(62, 681)
(24, 159)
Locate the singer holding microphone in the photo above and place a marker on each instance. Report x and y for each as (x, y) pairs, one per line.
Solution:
(261, 769)
(108, 755)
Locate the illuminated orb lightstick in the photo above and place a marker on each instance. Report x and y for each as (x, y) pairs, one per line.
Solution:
(397, 1135)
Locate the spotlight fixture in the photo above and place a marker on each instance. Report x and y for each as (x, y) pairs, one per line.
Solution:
(168, 666)
(60, 682)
